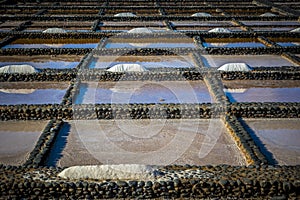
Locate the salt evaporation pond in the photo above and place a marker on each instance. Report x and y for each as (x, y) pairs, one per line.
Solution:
(43, 61)
(271, 23)
(32, 93)
(103, 62)
(289, 44)
(262, 91)
(252, 60)
(146, 141)
(279, 137)
(232, 43)
(52, 43)
(49, 45)
(150, 45)
(124, 92)
(17, 140)
(69, 26)
(151, 42)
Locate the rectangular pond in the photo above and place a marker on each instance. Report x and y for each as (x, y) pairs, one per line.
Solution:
(43, 61)
(38, 26)
(151, 43)
(53, 43)
(279, 138)
(278, 28)
(149, 141)
(138, 12)
(103, 62)
(205, 28)
(202, 23)
(125, 26)
(124, 92)
(286, 42)
(271, 23)
(32, 93)
(262, 91)
(251, 60)
(232, 43)
(18, 139)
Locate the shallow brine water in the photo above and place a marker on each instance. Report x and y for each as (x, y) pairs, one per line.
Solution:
(147, 141)
(43, 61)
(150, 45)
(146, 61)
(278, 137)
(43, 65)
(202, 23)
(29, 46)
(271, 23)
(17, 140)
(68, 30)
(289, 44)
(204, 29)
(125, 92)
(272, 28)
(38, 93)
(252, 60)
(232, 45)
(264, 95)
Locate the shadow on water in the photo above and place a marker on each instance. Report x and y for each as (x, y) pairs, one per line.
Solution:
(230, 97)
(79, 98)
(58, 146)
(270, 157)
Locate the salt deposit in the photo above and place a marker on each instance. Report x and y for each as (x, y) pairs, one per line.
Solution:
(235, 90)
(127, 68)
(235, 67)
(18, 69)
(296, 30)
(125, 14)
(104, 172)
(201, 14)
(54, 30)
(18, 91)
(219, 30)
(140, 30)
(268, 14)
(148, 30)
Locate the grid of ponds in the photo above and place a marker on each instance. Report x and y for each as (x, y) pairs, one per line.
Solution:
(95, 31)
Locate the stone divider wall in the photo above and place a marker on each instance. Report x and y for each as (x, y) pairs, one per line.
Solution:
(263, 75)
(99, 35)
(250, 50)
(173, 74)
(265, 110)
(6, 40)
(244, 141)
(44, 51)
(43, 75)
(145, 18)
(139, 111)
(43, 146)
(181, 74)
(227, 182)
